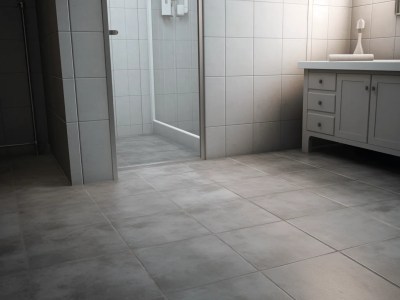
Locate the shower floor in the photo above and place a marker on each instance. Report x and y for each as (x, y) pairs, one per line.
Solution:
(150, 149)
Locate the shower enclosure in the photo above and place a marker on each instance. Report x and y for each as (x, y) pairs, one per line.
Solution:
(155, 59)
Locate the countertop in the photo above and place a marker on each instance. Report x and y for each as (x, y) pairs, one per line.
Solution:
(376, 65)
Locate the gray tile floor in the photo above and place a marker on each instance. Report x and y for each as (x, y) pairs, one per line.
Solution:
(149, 149)
(283, 225)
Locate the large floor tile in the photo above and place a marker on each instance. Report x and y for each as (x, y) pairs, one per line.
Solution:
(294, 204)
(260, 186)
(385, 211)
(12, 251)
(136, 205)
(384, 179)
(273, 245)
(382, 257)
(231, 215)
(71, 243)
(354, 193)
(8, 203)
(332, 277)
(56, 197)
(274, 164)
(158, 229)
(52, 217)
(178, 181)
(163, 170)
(15, 287)
(248, 287)
(121, 188)
(201, 195)
(192, 263)
(107, 277)
(314, 178)
(231, 174)
(345, 228)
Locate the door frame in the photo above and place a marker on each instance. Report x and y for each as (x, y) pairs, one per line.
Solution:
(110, 94)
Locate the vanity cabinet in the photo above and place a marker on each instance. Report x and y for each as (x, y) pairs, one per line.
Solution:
(356, 108)
(384, 127)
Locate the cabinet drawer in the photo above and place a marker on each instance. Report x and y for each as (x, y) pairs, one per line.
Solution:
(320, 123)
(321, 102)
(322, 81)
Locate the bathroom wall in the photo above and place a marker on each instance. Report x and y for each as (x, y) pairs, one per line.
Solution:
(76, 91)
(253, 85)
(329, 28)
(382, 33)
(15, 109)
(175, 59)
(130, 65)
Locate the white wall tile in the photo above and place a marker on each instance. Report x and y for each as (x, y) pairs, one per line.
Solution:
(215, 142)
(292, 97)
(239, 139)
(266, 137)
(88, 54)
(295, 21)
(214, 18)
(86, 15)
(291, 58)
(92, 99)
(339, 23)
(267, 56)
(214, 55)
(239, 100)
(95, 147)
(239, 56)
(268, 18)
(267, 98)
(383, 20)
(239, 18)
(215, 101)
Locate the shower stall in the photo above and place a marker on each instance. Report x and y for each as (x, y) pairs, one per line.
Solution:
(155, 63)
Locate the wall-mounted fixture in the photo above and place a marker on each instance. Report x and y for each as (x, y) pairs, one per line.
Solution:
(398, 7)
(166, 7)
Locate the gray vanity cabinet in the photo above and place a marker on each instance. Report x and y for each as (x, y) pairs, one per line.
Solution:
(360, 109)
(353, 93)
(384, 127)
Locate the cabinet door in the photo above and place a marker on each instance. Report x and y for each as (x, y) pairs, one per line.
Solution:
(385, 112)
(353, 93)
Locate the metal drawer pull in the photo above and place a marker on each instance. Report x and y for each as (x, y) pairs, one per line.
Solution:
(319, 102)
(367, 88)
(321, 81)
(319, 124)
(373, 89)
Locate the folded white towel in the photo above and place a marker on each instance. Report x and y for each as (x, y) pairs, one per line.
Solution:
(351, 57)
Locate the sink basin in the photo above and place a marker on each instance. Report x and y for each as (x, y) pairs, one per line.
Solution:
(351, 57)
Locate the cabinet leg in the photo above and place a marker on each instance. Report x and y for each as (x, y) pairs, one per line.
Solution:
(306, 144)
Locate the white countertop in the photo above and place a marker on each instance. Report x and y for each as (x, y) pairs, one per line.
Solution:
(376, 65)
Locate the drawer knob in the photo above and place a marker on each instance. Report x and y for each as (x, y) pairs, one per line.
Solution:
(319, 124)
(321, 81)
(367, 88)
(319, 102)
(373, 89)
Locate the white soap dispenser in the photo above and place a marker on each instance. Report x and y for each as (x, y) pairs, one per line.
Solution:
(360, 26)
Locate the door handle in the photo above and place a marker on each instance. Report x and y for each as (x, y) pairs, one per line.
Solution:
(113, 32)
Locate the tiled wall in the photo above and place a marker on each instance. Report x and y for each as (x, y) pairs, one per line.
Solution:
(76, 90)
(253, 85)
(15, 110)
(329, 28)
(176, 80)
(382, 34)
(130, 64)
